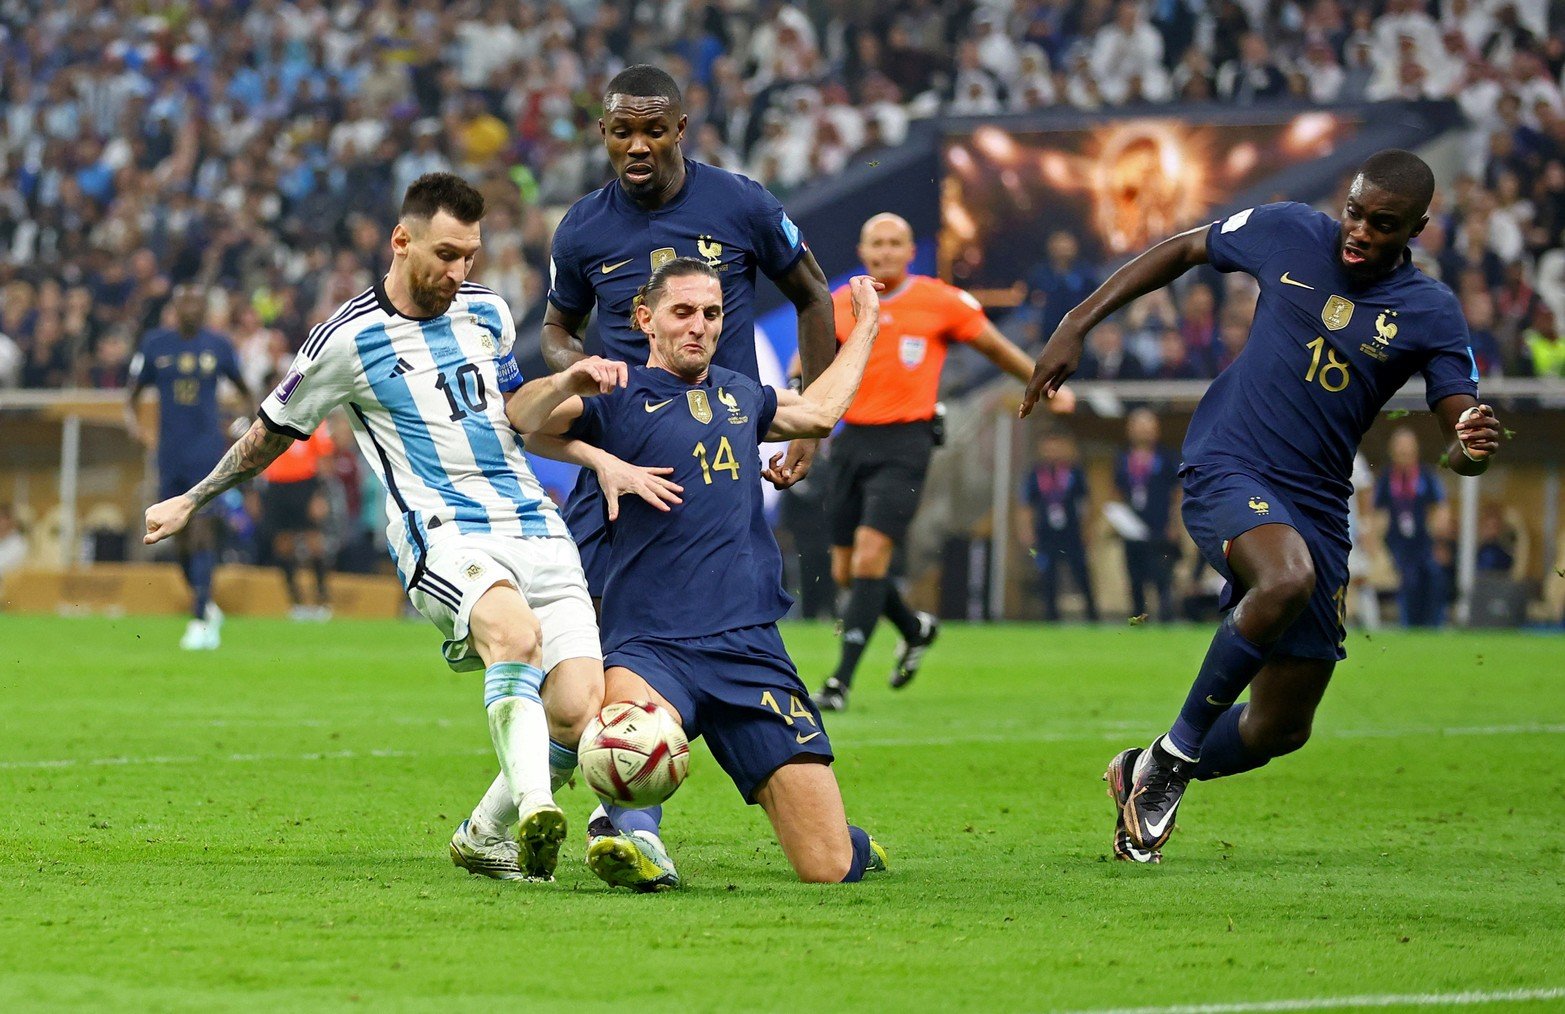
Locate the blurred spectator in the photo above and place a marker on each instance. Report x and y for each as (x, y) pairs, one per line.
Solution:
(1057, 285)
(1049, 522)
(1106, 357)
(1543, 352)
(13, 544)
(1405, 493)
(1496, 543)
(1147, 476)
(1252, 76)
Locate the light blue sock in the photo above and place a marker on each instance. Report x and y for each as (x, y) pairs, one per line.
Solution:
(512, 679)
(562, 764)
(626, 820)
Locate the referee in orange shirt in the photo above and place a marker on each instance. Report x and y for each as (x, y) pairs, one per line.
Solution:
(880, 457)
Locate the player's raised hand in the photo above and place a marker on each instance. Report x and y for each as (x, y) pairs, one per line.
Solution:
(652, 485)
(167, 518)
(865, 293)
(786, 469)
(1056, 363)
(1479, 431)
(594, 375)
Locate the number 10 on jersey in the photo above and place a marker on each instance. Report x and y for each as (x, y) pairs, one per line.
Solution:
(722, 461)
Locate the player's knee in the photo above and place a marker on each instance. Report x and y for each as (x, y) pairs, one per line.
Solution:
(1291, 587)
(825, 867)
(1276, 735)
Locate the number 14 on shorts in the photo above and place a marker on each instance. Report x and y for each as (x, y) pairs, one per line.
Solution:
(796, 709)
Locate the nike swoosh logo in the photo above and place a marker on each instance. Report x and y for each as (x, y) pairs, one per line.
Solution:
(1289, 281)
(1157, 829)
(1218, 704)
(609, 269)
(653, 407)
(800, 737)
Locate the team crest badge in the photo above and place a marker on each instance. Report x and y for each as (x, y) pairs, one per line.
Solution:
(486, 341)
(700, 408)
(1336, 313)
(187, 362)
(732, 404)
(912, 350)
(1260, 506)
(472, 570)
(1385, 330)
(710, 250)
(661, 256)
(208, 362)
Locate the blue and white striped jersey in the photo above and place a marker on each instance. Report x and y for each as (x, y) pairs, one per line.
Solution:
(427, 402)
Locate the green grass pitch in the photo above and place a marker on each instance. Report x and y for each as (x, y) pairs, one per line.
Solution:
(265, 827)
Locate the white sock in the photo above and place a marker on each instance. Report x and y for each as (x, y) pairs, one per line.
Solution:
(496, 812)
(1168, 745)
(520, 733)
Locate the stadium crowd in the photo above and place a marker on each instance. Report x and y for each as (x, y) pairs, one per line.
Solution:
(250, 146)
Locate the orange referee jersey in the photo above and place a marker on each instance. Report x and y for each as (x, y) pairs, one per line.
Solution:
(917, 320)
(301, 460)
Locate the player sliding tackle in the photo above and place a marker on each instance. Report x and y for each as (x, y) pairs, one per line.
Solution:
(694, 589)
(1344, 320)
(423, 359)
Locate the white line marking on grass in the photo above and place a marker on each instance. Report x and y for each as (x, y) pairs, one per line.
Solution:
(995, 737)
(1337, 1002)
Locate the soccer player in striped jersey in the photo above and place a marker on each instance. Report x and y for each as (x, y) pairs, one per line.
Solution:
(423, 362)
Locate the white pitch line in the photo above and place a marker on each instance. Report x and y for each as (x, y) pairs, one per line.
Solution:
(1338, 1002)
(998, 737)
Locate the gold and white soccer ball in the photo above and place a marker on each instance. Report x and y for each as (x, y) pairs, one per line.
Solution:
(634, 754)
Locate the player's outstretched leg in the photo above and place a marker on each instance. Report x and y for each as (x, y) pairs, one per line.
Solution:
(919, 630)
(866, 564)
(506, 635)
(1273, 563)
(804, 804)
(625, 849)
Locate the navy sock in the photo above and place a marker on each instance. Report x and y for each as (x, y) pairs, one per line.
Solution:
(627, 820)
(1224, 752)
(1230, 664)
(897, 611)
(860, 839)
(866, 598)
(200, 576)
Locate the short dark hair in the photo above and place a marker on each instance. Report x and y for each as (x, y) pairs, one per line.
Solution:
(432, 193)
(644, 81)
(1400, 172)
(652, 289)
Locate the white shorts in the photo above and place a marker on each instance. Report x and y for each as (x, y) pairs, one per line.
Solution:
(459, 569)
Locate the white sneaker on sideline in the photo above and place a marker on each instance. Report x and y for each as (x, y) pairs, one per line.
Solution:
(196, 636)
(214, 626)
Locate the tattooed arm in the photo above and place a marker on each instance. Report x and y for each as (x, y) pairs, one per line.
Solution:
(250, 454)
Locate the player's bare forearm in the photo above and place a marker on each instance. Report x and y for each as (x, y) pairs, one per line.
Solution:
(1476, 433)
(560, 341)
(532, 406)
(616, 477)
(822, 404)
(806, 288)
(1154, 269)
(246, 459)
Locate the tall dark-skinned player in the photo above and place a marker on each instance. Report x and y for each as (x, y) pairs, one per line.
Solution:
(1344, 320)
(661, 206)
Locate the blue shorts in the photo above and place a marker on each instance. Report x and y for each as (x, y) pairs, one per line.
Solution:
(587, 518)
(1223, 501)
(740, 690)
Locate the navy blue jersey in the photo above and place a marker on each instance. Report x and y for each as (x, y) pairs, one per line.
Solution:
(1325, 353)
(607, 245)
(710, 564)
(185, 372)
(1147, 481)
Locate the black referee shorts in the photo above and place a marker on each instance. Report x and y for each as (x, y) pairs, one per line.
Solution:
(877, 477)
(285, 506)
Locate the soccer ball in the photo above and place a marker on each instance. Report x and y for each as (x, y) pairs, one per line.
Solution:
(634, 754)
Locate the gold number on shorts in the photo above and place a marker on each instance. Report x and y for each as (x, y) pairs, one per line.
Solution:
(796, 708)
